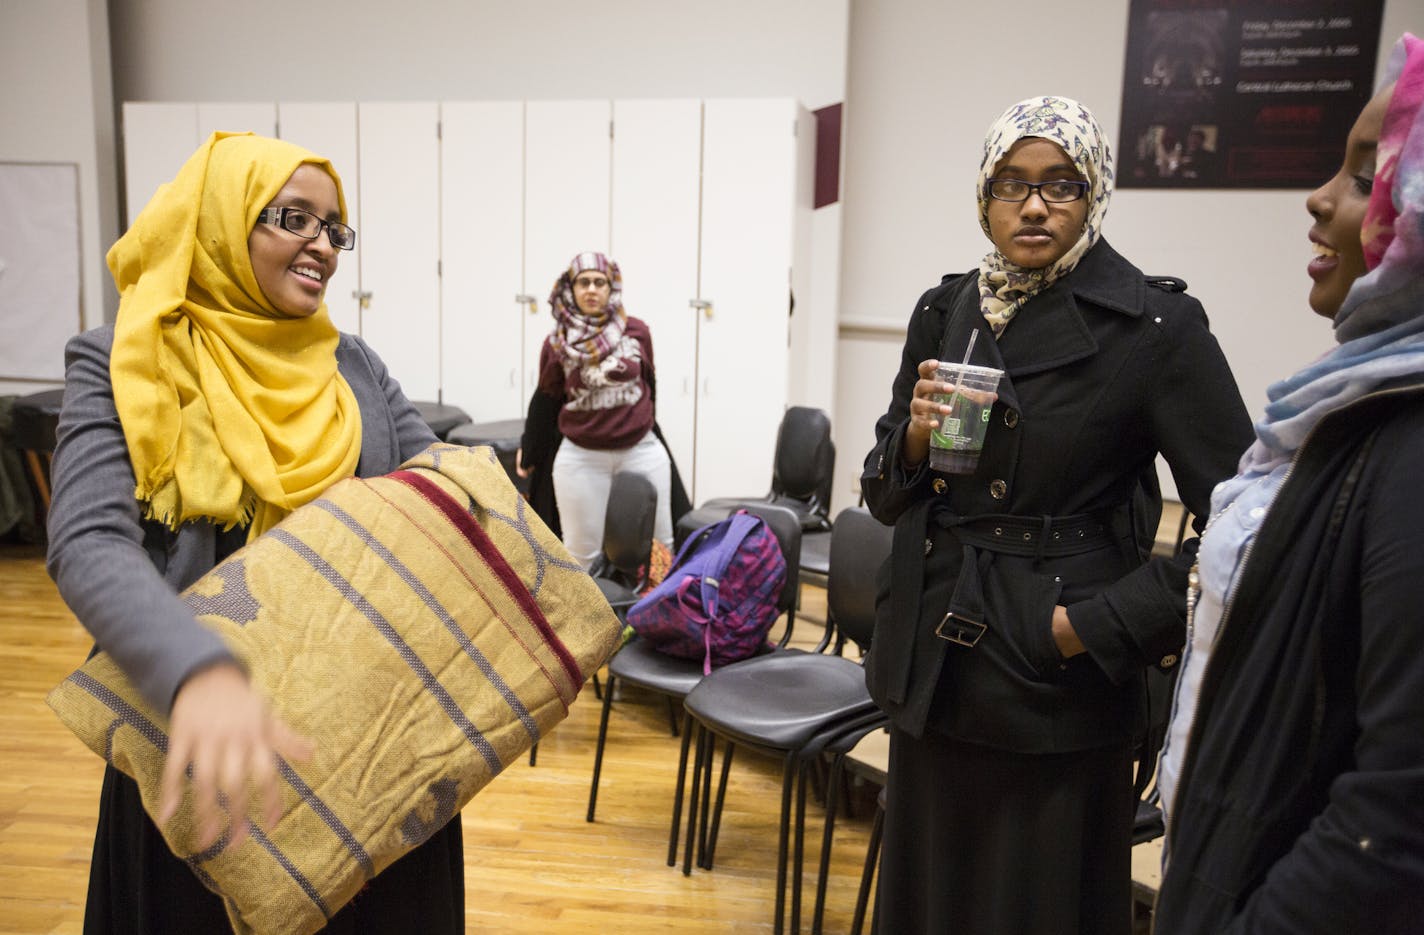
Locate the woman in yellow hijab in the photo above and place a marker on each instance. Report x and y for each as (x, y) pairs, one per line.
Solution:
(221, 399)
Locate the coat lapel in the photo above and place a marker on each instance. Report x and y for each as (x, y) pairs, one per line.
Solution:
(1050, 330)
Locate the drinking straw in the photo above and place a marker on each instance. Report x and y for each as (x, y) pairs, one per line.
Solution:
(973, 335)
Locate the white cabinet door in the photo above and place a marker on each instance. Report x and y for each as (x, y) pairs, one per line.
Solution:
(657, 151)
(482, 250)
(566, 164)
(400, 226)
(259, 118)
(329, 130)
(748, 199)
(158, 139)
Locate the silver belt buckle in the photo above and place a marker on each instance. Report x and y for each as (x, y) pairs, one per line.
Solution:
(960, 630)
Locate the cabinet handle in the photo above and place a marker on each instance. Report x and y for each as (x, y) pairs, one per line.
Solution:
(362, 298)
(528, 300)
(705, 305)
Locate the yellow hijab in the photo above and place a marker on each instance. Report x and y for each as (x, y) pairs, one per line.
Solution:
(232, 411)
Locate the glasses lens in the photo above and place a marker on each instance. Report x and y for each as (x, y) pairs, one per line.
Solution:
(301, 223)
(1060, 192)
(342, 237)
(591, 283)
(1008, 189)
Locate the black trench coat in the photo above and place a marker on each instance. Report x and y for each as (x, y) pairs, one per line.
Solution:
(1104, 370)
(1009, 807)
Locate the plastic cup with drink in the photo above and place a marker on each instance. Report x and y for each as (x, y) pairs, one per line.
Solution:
(956, 444)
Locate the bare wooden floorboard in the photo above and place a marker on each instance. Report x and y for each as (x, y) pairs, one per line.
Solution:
(532, 863)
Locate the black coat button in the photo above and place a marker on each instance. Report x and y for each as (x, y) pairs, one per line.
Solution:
(998, 489)
(1011, 418)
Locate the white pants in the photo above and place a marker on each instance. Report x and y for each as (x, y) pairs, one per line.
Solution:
(582, 479)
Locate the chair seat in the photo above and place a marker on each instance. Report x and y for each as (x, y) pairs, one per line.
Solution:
(619, 597)
(816, 553)
(34, 420)
(440, 417)
(1147, 824)
(782, 700)
(639, 664)
(719, 509)
(502, 436)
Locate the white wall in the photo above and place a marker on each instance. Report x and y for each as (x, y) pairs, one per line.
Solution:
(365, 50)
(56, 106)
(373, 50)
(923, 86)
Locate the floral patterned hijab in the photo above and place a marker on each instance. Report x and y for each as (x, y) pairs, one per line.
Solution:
(1003, 286)
(583, 340)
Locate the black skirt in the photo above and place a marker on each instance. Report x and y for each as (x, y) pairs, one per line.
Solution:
(138, 887)
(988, 841)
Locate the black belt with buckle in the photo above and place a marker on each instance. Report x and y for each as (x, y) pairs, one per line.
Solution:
(1035, 537)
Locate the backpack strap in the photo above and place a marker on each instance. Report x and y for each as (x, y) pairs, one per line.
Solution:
(740, 525)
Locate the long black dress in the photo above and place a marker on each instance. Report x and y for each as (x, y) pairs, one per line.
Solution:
(1010, 796)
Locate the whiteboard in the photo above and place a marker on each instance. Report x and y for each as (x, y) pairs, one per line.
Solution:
(39, 268)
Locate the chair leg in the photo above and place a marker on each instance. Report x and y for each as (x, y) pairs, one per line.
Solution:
(534, 755)
(677, 793)
(717, 811)
(867, 876)
(798, 861)
(37, 473)
(672, 714)
(598, 689)
(788, 771)
(833, 790)
(709, 743)
(697, 785)
(598, 747)
(836, 786)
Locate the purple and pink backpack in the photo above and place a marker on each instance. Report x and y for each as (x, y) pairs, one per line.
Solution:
(720, 597)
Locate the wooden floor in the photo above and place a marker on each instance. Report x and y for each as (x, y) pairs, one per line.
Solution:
(532, 863)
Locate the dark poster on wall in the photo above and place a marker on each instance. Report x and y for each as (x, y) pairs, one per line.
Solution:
(1243, 93)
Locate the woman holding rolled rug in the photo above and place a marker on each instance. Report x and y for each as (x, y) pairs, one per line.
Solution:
(221, 399)
(1021, 610)
(593, 413)
(1293, 772)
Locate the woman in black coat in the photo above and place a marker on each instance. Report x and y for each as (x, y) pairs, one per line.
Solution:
(1293, 774)
(1021, 608)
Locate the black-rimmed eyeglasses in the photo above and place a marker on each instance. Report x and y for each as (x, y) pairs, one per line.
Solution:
(1056, 192)
(307, 225)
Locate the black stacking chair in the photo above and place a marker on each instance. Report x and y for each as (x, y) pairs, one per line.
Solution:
(794, 705)
(801, 476)
(622, 567)
(640, 665)
(33, 420)
(802, 472)
(441, 417)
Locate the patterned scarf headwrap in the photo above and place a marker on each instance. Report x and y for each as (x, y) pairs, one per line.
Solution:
(1003, 286)
(585, 340)
(1393, 232)
(232, 412)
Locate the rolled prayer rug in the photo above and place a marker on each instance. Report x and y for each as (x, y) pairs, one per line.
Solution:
(424, 628)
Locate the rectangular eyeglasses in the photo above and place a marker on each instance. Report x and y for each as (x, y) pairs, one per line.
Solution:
(308, 226)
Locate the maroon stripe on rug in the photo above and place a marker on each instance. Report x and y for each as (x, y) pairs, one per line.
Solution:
(460, 518)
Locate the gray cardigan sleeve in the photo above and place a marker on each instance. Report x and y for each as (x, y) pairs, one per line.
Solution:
(121, 575)
(97, 551)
